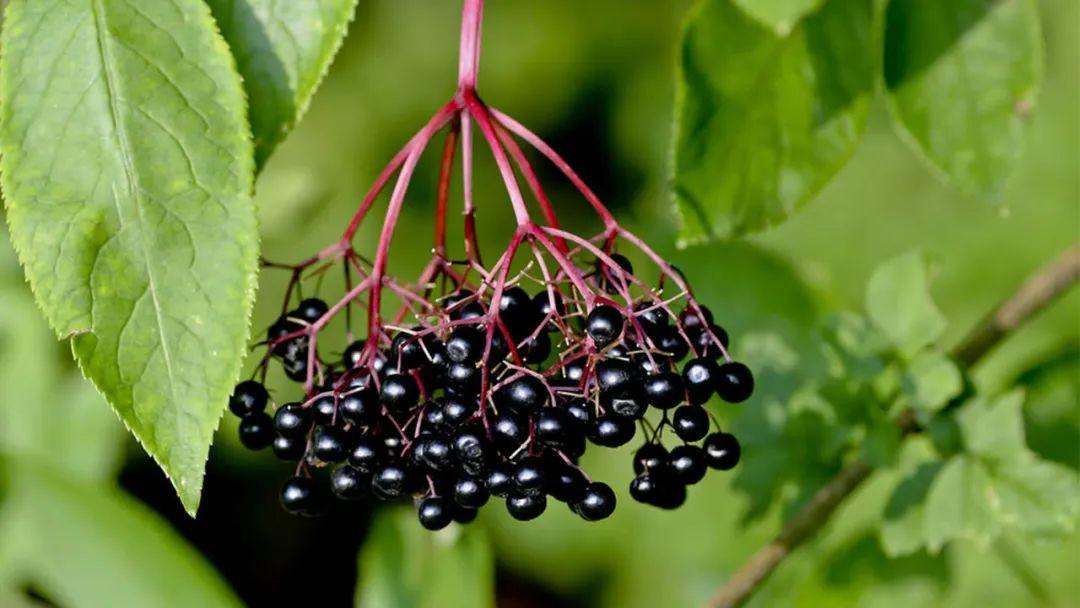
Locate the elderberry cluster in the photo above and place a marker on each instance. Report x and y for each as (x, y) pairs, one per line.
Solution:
(498, 393)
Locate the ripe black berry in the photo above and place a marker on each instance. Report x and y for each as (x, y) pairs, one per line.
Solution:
(669, 341)
(604, 324)
(699, 377)
(650, 457)
(310, 310)
(665, 390)
(509, 432)
(399, 392)
(526, 507)
(734, 383)
(292, 420)
(691, 422)
(517, 312)
(687, 464)
(463, 378)
(499, 481)
(542, 305)
(289, 448)
(323, 409)
(352, 354)
(465, 345)
(536, 350)
(348, 483)
(670, 494)
(722, 451)
(597, 503)
(457, 410)
(330, 444)
(470, 445)
(611, 431)
(563, 482)
(645, 489)
(616, 377)
(529, 476)
(248, 398)
(579, 412)
(630, 406)
(300, 496)
(691, 320)
(359, 407)
(256, 431)
(391, 480)
(704, 343)
(470, 492)
(434, 513)
(433, 452)
(523, 395)
(613, 279)
(553, 427)
(364, 456)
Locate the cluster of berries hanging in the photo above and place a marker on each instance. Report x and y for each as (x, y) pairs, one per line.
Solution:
(492, 380)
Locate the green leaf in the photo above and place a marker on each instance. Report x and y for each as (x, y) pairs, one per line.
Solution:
(994, 430)
(1039, 497)
(780, 15)
(962, 78)
(283, 50)
(127, 172)
(903, 523)
(90, 546)
(898, 301)
(764, 121)
(959, 505)
(402, 565)
(930, 381)
(881, 444)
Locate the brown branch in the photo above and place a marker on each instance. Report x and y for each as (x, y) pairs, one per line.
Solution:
(1050, 282)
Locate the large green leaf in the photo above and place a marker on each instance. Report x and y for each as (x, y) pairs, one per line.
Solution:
(930, 381)
(402, 565)
(763, 121)
(959, 505)
(127, 172)
(898, 302)
(89, 546)
(962, 78)
(780, 15)
(994, 429)
(283, 49)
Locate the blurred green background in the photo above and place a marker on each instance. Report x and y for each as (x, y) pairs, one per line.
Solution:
(595, 79)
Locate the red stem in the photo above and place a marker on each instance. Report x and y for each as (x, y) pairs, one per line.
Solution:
(469, 59)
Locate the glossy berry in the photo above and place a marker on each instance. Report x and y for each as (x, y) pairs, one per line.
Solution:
(300, 496)
(645, 489)
(615, 279)
(465, 345)
(669, 341)
(463, 378)
(670, 494)
(554, 427)
(523, 395)
(390, 481)
(249, 397)
(323, 408)
(399, 392)
(433, 452)
(597, 503)
(407, 351)
(722, 451)
(665, 390)
(256, 431)
(296, 366)
(705, 341)
(630, 406)
(330, 444)
(365, 455)
(735, 382)
(464, 515)
(310, 310)
(604, 324)
(434, 513)
(517, 312)
(616, 377)
(351, 356)
(535, 350)
(542, 306)
(526, 507)
(562, 481)
(289, 449)
(529, 476)
(691, 422)
(292, 420)
(687, 464)
(470, 444)
(699, 377)
(348, 483)
(457, 410)
(611, 431)
(499, 481)
(651, 316)
(470, 492)
(359, 407)
(579, 413)
(691, 320)
(651, 457)
(509, 432)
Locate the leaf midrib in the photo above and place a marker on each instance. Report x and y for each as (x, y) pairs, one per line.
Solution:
(124, 145)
